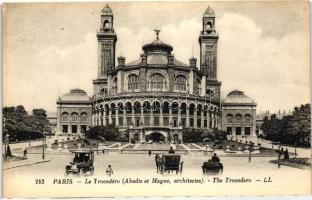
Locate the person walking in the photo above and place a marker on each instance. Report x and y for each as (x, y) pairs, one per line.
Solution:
(109, 170)
(149, 153)
(25, 153)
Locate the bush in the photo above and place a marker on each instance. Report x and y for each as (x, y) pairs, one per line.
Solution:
(108, 132)
(202, 135)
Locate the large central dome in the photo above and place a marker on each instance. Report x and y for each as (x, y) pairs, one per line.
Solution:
(158, 53)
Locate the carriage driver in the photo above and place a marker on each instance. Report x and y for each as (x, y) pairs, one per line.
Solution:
(215, 158)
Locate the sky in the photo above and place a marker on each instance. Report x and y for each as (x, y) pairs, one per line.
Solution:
(51, 48)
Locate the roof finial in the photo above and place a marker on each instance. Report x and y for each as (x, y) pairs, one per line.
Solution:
(157, 33)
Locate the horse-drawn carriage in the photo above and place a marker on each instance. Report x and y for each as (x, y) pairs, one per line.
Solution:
(82, 162)
(169, 163)
(212, 167)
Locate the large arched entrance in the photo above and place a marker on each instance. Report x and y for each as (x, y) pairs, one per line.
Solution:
(155, 137)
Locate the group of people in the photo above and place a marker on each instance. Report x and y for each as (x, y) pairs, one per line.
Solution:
(281, 153)
(79, 158)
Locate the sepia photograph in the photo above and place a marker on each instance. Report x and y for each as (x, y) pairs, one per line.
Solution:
(145, 99)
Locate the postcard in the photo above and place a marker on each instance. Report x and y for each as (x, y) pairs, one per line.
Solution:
(143, 99)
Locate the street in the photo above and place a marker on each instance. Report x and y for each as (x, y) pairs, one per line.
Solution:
(285, 180)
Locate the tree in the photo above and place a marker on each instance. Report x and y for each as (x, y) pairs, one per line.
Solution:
(21, 126)
(294, 129)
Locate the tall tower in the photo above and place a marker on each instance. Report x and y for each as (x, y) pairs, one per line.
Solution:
(208, 41)
(107, 39)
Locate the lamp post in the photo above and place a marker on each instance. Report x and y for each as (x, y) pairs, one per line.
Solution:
(43, 138)
(40, 126)
(250, 147)
(295, 148)
(6, 144)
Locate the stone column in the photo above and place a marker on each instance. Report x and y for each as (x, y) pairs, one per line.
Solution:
(69, 125)
(92, 119)
(161, 119)
(96, 118)
(79, 125)
(207, 118)
(212, 119)
(142, 115)
(170, 115)
(195, 118)
(179, 116)
(117, 117)
(132, 115)
(187, 117)
(104, 117)
(98, 122)
(101, 117)
(124, 115)
(110, 115)
(202, 118)
(151, 117)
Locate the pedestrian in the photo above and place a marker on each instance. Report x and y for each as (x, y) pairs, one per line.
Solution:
(149, 153)
(25, 153)
(109, 170)
(286, 155)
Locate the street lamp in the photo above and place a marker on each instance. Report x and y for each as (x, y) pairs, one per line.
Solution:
(6, 144)
(250, 147)
(40, 124)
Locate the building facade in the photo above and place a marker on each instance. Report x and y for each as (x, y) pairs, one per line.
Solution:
(239, 115)
(74, 111)
(155, 95)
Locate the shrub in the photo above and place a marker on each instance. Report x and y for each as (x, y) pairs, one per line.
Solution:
(108, 132)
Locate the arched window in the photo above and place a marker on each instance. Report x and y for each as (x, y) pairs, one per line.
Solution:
(238, 118)
(180, 82)
(65, 117)
(158, 81)
(106, 24)
(84, 117)
(229, 118)
(133, 82)
(247, 118)
(74, 117)
(209, 91)
(114, 85)
(209, 25)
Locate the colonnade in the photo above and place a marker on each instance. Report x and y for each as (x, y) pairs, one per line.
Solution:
(147, 114)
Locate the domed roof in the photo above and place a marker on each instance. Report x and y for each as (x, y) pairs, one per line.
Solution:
(238, 97)
(75, 95)
(107, 10)
(157, 45)
(209, 12)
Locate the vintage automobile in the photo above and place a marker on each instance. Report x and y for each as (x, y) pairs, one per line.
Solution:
(170, 163)
(82, 162)
(212, 167)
